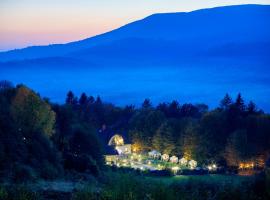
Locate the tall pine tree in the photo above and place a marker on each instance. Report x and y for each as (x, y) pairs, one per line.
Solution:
(239, 103)
(226, 102)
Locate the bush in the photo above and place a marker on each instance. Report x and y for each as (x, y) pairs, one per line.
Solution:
(160, 173)
(81, 163)
(193, 172)
(85, 194)
(22, 193)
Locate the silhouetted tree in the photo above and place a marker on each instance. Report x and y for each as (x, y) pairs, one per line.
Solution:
(226, 102)
(147, 103)
(236, 150)
(5, 85)
(239, 103)
(190, 143)
(70, 98)
(157, 141)
(91, 100)
(165, 131)
(83, 99)
(31, 113)
(251, 108)
(189, 110)
(174, 109)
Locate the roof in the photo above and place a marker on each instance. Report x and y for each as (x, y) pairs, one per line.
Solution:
(105, 135)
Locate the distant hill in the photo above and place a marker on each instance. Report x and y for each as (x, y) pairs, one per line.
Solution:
(191, 33)
(232, 40)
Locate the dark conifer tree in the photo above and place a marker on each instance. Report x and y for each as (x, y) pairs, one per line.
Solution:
(98, 100)
(70, 98)
(157, 141)
(5, 85)
(91, 100)
(239, 103)
(174, 109)
(163, 107)
(83, 99)
(147, 103)
(226, 102)
(165, 131)
(251, 108)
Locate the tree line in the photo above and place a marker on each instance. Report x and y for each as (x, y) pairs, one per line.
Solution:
(40, 138)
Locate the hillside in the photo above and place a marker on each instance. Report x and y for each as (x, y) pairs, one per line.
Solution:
(195, 56)
(203, 29)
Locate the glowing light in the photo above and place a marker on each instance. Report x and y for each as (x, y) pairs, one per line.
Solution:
(165, 157)
(246, 165)
(192, 164)
(183, 161)
(119, 141)
(174, 159)
(212, 167)
(175, 169)
(154, 154)
(116, 140)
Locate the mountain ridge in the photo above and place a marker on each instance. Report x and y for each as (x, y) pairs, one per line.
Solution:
(192, 57)
(128, 30)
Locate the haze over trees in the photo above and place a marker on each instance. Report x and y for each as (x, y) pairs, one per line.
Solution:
(176, 50)
(43, 140)
(60, 137)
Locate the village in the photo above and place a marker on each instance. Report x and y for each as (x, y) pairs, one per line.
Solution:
(126, 156)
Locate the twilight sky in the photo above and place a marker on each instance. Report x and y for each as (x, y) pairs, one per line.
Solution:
(36, 22)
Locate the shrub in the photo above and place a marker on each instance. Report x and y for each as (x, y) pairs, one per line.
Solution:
(85, 194)
(160, 173)
(81, 163)
(23, 193)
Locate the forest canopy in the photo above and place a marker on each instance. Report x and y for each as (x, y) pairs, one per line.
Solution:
(52, 138)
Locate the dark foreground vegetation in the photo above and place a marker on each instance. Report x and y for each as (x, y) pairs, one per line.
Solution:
(41, 140)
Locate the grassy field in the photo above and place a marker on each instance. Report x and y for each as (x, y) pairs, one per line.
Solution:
(217, 179)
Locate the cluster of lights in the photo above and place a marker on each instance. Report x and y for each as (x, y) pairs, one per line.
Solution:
(165, 157)
(135, 161)
(246, 165)
(175, 169)
(183, 161)
(174, 159)
(119, 141)
(192, 164)
(212, 167)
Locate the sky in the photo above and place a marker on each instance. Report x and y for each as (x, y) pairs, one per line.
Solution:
(40, 22)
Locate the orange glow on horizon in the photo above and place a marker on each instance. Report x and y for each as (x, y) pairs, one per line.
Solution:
(31, 22)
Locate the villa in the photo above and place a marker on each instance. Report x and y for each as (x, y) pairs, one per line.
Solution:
(115, 144)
